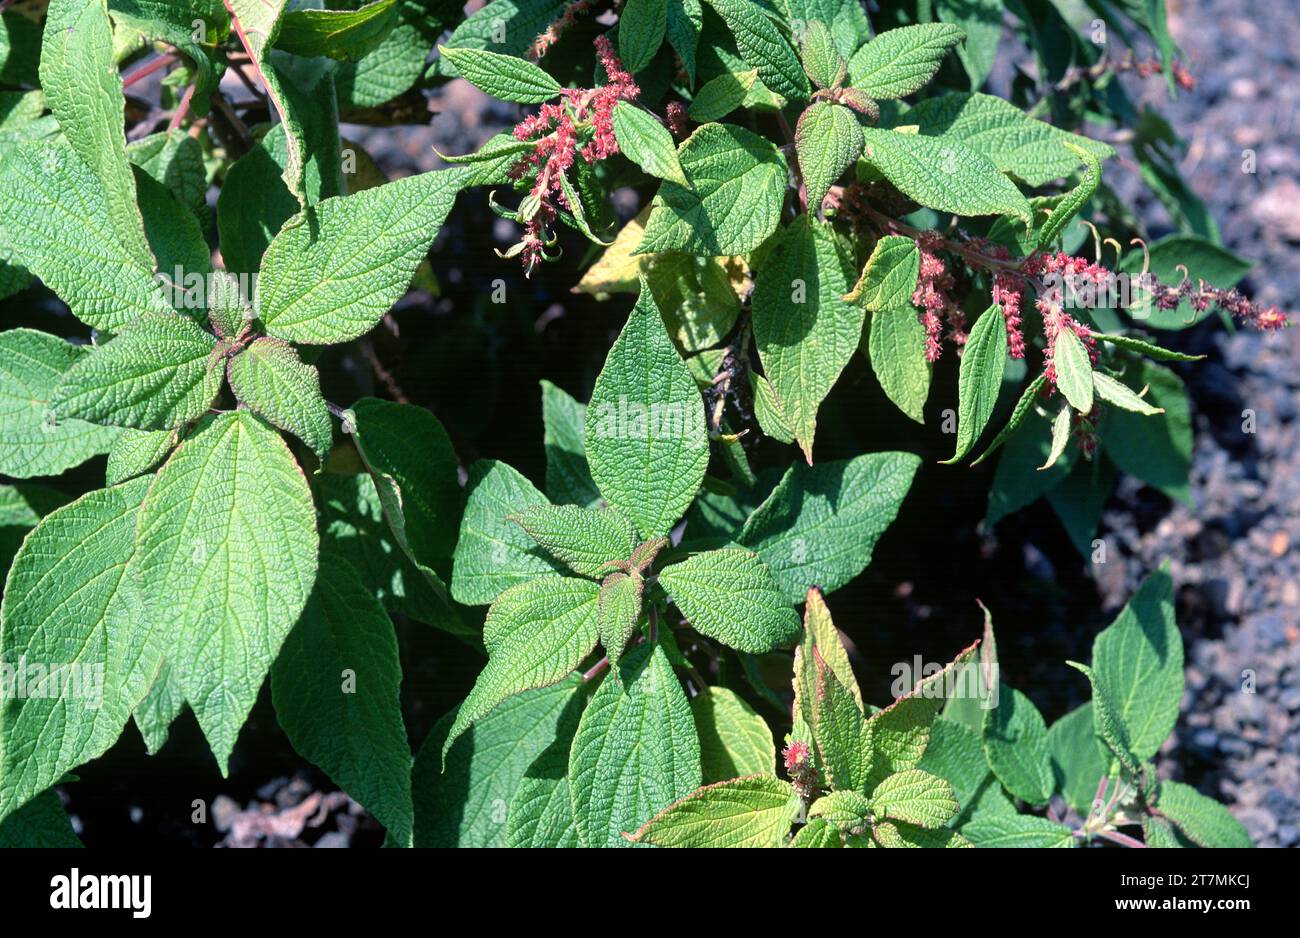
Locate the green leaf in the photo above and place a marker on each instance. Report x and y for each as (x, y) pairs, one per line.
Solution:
(254, 204)
(828, 140)
(944, 174)
(1018, 414)
(33, 442)
(587, 540)
(1203, 820)
(916, 797)
(641, 28)
(408, 445)
(821, 60)
(493, 553)
(764, 47)
(21, 509)
(900, 61)
(719, 96)
(817, 833)
(568, 478)
(58, 223)
(1116, 392)
(1130, 344)
(956, 754)
(685, 20)
(1018, 480)
(160, 372)
(755, 811)
(697, 296)
(1138, 665)
(820, 643)
(335, 686)
(730, 595)
(821, 523)
(1159, 452)
(646, 142)
(1060, 437)
(896, 342)
(1073, 370)
(155, 714)
(844, 741)
(734, 740)
(176, 160)
(1078, 758)
(536, 633)
(83, 89)
(635, 750)
(979, 379)
(895, 835)
(346, 35)
(1202, 259)
(1075, 199)
(503, 76)
(465, 801)
(645, 435)
(981, 21)
(1015, 742)
(76, 641)
(889, 278)
(850, 811)
(738, 183)
(1014, 142)
(618, 612)
(41, 823)
(270, 378)
(541, 812)
(1017, 830)
(227, 548)
(804, 330)
(332, 272)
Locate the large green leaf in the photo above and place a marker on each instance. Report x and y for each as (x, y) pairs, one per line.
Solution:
(160, 372)
(641, 28)
(336, 685)
(332, 272)
(828, 140)
(731, 595)
(1157, 450)
(1078, 758)
(41, 823)
(33, 442)
(227, 557)
(541, 811)
(270, 378)
(900, 61)
(821, 523)
(1017, 830)
(587, 540)
(755, 811)
(568, 478)
(734, 740)
(635, 751)
(503, 76)
(645, 437)
(81, 652)
(915, 797)
(805, 331)
(979, 379)
(1203, 820)
(737, 187)
(1015, 742)
(346, 35)
(765, 47)
(645, 141)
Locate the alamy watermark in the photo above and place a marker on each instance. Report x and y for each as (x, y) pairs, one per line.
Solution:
(39, 680)
(634, 420)
(970, 680)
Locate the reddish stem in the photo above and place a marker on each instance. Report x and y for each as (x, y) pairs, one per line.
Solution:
(1124, 840)
(144, 71)
(181, 110)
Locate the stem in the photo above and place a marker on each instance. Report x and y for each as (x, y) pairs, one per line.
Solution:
(181, 110)
(654, 624)
(1124, 840)
(144, 71)
(596, 670)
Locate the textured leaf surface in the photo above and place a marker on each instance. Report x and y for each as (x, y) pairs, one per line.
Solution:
(568, 478)
(536, 633)
(160, 372)
(541, 812)
(346, 35)
(731, 595)
(900, 61)
(734, 740)
(41, 823)
(1015, 742)
(645, 141)
(330, 274)
(618, 612)
(270, 378)
(641, 28)
(466, 803)
(844, 741)
(1203, 820)
(72, 630)
(820, 524)
(1073, 371)
(645, 436)
(635, 751)
(227, 556)
(33, 441)
(828, 140)
(755, 811)
(979, 379)
(503, 76)
(493, 552)
(916, 797)
(738, 182)
(1017, 830)
(335, 686)
(944, 174)
(956, 754)
(817, 833)
(587, 540)
(1079, 759)
(765, 47)
(804, 330)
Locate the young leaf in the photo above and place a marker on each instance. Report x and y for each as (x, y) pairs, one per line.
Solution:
(730, 595)
(889, 278)
(33, 442)
(916, 797)
(944, 174)
(635, 750)
(844, 741)
(229, 507)
(900, 61)
(335, 686)
(503, 76)
(272, 380)
(685, 20)
(979, 379)
(1060, 437)
(899, 834)
(1079, 759)
(1130, 344)
(1015, 742)
(821, 60)
(618, 612)
(1074, 200)
(536, 633)
(817, 833)
(738, 183)
(587, 540)
(1202, 820)
(331, 273)
(1073, 370)
(828, 140)
(820, 636)
(754, 811)
(641, 28)
(764, 47)
(71, 606)
(719, 96)
(568, 478)
(645, 435)
(734, 740)
(956, 754)
(804, 330)
(1116, 392)
(850, 811)
(820, 524)
(160, 372)
(646, 142)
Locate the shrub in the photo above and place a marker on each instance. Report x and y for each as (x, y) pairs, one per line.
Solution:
(822, 184)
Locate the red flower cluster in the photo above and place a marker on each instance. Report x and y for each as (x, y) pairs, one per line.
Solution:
(932, 300)
(798, 765)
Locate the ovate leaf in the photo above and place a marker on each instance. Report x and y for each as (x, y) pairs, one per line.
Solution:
(646, 142)
(641, 28)
(915, 797)
(1017, 830)
(765, 47)
(1073, 370)
(980, 378)
(1202, 820)
(587, 540)
(1015, 742)
(734, 740)
(755, 811)
(272, 380)
(828, 140)
(346, 35)
(903, 60)
(503, 76)
(731, 595)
